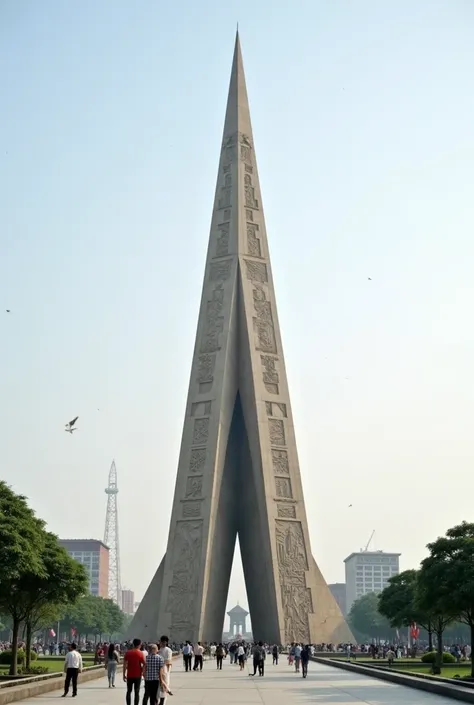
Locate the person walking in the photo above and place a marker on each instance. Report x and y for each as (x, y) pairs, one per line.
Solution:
(220, 653)
(258, 654)
(305, 660)
(72, 668)
(297, 657)
(275, 655)
(241, 656)
(187, 656)
(112, 659)
(198, 653)
(133, 667)
(153, 675)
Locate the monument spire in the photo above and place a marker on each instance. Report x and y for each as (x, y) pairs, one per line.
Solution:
(238, 471)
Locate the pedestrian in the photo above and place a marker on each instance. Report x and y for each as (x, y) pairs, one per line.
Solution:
(305, 660)
(72, 668)
(275, 655)
(297, 657)
(133, 667)
(153, 676)
(220, 653)
(112, 659)
(241, 657)
(187, 656)
(258, 654)
(198, 653)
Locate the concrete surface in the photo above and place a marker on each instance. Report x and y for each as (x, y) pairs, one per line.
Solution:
(280, 686)
(30, 687)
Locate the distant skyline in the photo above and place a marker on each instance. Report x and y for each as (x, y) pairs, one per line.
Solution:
(109, 143)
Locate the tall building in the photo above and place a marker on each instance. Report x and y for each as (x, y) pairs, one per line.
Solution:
(94, 556)
(368, 571)
(338, 591)
(238, 471)
(128, 601)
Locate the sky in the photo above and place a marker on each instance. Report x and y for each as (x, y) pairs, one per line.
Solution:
(110, 132)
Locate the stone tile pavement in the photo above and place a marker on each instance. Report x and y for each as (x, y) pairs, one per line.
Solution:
(280, 686)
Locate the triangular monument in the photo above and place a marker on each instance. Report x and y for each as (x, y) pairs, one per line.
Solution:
(238, 469)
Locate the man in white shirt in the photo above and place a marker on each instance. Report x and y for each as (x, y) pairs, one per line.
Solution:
(72, 668)
(198, 654)
(187, 655)
(167, 656)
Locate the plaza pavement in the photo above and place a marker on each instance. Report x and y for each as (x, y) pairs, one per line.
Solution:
(280, 686)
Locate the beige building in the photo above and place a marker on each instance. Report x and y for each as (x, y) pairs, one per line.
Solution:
(128, 601)
(368, 571)
(94, 556)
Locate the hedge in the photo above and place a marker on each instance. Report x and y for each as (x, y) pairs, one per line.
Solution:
(430, 657)
(6, 657)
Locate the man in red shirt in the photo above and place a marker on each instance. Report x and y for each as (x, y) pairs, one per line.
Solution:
(133, 665)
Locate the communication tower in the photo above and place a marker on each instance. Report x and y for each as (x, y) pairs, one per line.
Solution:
(111, 537)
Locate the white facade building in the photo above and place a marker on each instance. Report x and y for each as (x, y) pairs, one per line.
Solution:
(368, 571)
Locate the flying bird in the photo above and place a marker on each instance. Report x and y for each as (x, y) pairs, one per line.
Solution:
(369, 278)
(350, 505)
(70, 426)
(8, 310)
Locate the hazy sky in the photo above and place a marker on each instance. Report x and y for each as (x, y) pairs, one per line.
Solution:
(110, 132)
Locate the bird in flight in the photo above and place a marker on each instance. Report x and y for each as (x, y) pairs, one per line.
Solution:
(8, 310)
(70, 426)
(369, 278)
(350, 505)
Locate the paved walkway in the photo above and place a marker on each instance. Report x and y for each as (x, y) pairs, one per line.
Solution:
(280, 686)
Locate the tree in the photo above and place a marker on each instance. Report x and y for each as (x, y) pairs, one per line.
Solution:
(94, 615)
(21, 543)
(64, 581)
(400, 605)
(448, 576)
(366, 619)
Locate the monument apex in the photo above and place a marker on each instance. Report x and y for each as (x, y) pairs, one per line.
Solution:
(238, 471)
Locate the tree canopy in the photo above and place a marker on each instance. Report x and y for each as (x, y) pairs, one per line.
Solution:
(366, 619)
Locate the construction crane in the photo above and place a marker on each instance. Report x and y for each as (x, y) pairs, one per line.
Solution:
(368, 542)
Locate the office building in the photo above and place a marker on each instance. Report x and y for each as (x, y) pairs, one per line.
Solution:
(128, 601)
(94, 556)
(368, 571)
(338, 591)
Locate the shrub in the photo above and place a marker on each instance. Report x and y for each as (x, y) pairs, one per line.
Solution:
(6, 657)
(430, 657)
(34, 671)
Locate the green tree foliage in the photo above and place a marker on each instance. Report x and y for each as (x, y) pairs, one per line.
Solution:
(21, 543)
(94, 615)
(447, 575)
(37, 577)
(366, 619)
(399, 603)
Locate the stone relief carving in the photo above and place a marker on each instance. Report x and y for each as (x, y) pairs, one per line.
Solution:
(249, 214)
(263, 322)
(222, 244)
(220, 271)
(198, 460)
(245, 149)
(191, 510)
(276, 408)
(281, 465)
(249, 169)
(224, 200)
(184, 587)
(250, 200)
(256, 271)
(270, 375)
(253, 242)
(287, 511)
(214, 322)
(277, 432)
(200, 431)
(283, 487)
(206, 365)
(194, 487)
(201, 408)
(292, 564)
(226, 215)
(228, 149)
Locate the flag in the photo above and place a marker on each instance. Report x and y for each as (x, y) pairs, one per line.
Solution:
(52, 632)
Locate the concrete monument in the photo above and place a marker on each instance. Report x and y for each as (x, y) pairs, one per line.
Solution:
(238, 469)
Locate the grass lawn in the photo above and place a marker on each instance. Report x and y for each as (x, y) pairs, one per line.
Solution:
(54, 664)
(462, 669)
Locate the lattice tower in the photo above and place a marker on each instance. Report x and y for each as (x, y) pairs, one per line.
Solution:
(111, 537)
